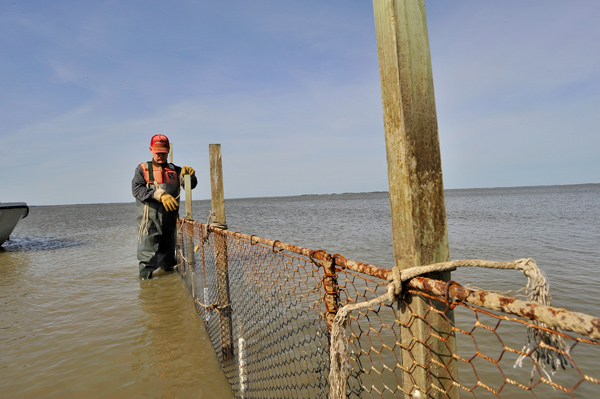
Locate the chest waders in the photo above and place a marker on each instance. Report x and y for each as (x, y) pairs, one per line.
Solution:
(156, 244)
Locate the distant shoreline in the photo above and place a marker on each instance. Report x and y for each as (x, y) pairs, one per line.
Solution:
(349, 193)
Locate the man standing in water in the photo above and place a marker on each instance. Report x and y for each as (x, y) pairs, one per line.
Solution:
(156, 186)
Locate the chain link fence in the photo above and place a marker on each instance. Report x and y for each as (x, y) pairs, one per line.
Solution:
(268, 308)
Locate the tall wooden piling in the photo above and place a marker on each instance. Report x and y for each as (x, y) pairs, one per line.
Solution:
(416, 189)
(189, 229)
(220, 243)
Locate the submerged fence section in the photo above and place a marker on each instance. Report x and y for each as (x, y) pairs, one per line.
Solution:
(268, 308)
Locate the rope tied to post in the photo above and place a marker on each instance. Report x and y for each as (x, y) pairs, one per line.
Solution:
(213, 306)
(537, 289)
(210, 225)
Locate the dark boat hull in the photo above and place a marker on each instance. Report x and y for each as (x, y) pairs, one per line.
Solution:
(10, 214)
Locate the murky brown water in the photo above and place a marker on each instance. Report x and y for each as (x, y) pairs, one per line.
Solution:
(77, 323)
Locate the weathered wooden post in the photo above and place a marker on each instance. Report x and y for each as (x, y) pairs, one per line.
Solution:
(187, 182)
(220, 245)
(416, 189)
(189, 229)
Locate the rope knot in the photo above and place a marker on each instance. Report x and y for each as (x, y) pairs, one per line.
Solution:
(395, 279)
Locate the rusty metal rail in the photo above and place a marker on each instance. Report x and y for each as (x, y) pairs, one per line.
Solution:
(567, 320)
(556, 317)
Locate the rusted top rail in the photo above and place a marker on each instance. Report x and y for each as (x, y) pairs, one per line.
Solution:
(576, 322)
(556, 317)
(339, 260)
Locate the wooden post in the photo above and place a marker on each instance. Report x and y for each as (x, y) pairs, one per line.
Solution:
(220, 245)
(416, 189)
(170, 152)
(187, 182)
(189, 230)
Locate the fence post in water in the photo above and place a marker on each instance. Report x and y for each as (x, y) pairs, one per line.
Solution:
(416, 190)
(187, 182)
(189, 228)
(220, 242)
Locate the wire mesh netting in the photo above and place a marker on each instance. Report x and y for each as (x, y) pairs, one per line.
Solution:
(263, 312)
(268, 308)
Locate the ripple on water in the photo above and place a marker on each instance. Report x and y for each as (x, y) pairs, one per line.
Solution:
(25, 244)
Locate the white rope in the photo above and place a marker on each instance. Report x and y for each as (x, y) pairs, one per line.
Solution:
(144, 224)
(146, 216)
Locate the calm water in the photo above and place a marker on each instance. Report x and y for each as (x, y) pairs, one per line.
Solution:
(76, 321)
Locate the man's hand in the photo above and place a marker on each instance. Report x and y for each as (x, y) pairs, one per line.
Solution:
(169, 202)
(186, 170)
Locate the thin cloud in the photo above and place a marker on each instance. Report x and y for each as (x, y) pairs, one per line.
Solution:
(288, 89)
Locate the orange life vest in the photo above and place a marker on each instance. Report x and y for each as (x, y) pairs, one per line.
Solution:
(165, 178)
(155, 173)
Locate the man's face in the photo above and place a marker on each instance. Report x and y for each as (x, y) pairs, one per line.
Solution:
(160, 157)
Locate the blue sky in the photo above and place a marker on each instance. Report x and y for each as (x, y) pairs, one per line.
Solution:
(291, 91)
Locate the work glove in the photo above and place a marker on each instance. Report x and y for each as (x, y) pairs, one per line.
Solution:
(186, 170)
(169, 202)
